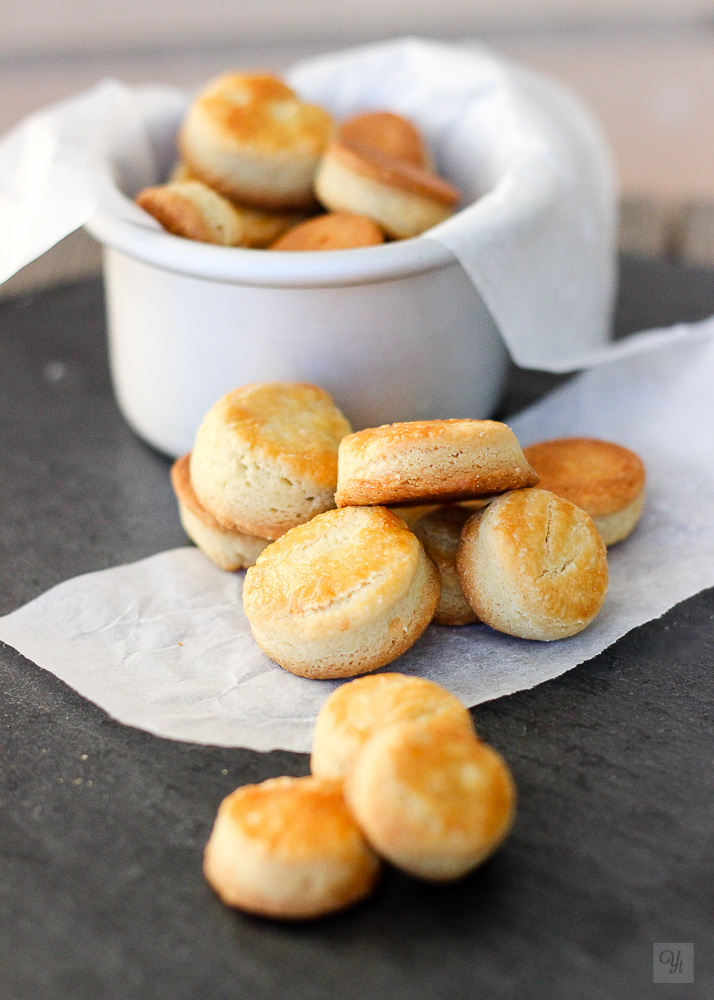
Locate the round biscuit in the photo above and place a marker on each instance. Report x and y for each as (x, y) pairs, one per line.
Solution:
(386, 133)
(604, 479)
(430, 461)
(431, 798)
(229, 549)
(533, 565)
(250, 137)
(289, 849)
(265, 457)
(357, 710)
(334, 231)
(191, 209)
(402, 199)
(342, 595)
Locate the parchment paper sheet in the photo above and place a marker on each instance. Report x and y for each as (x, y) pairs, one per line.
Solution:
(163, 644)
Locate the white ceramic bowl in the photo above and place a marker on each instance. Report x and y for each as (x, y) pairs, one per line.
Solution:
(393, 332)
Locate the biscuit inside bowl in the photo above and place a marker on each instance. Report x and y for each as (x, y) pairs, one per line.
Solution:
(394, 332)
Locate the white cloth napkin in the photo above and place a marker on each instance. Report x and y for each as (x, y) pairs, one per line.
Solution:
(163, 644)
(536, 235)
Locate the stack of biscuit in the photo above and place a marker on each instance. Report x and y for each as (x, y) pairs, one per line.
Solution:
(398, 774)
(264, 460)
(257, 163)
(353, 578)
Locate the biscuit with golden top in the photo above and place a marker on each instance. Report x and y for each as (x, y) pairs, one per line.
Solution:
(334, 231)
(289, 849)
(356, 711)
(250, 137)
(431, 798)
(344, 594)
(404, 200)
(386, 133)
(430, 461)
(533, 565)
(604, 479)
(229, 549)
(440, 534)
(191, 209)
(265, 457)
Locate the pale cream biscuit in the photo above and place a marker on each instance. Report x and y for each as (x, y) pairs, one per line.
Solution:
(289, 849)
(342, 595)
(533, 565)
(388, 134)
(431, 798)
(265, 457)
(227, 548)
(334, 231)
(403, 200)
(430, 461)
(604, 479)
(356, 711)
(250, 137)
(192, 209)
(440, 534)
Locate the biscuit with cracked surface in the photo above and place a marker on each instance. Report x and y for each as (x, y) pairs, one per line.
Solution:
(342, 595)
(604, 479)
(357, 710)
(424, 461)
(533, 565)
(289, 849)
(265, 457)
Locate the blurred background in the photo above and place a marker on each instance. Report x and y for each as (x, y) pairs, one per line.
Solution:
(645, 68)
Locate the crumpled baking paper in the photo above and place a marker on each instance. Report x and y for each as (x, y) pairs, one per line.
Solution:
(536, 237)
(163, 644)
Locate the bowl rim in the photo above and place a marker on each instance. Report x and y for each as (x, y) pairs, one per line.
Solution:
(238, 265)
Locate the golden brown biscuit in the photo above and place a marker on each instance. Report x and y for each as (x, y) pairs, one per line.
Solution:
(289, 849)
(604, 479)
(533, 565)
(195, 211)
(227, 548)
(250, 137)
(356, 711)
(430, 461)
(386, 133)
(440, 534)
(334, 231)
(431, 798)
(403, 200)
(265, 457)
(342, 595)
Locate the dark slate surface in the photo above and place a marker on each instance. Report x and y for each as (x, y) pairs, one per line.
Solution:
(102, 826)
